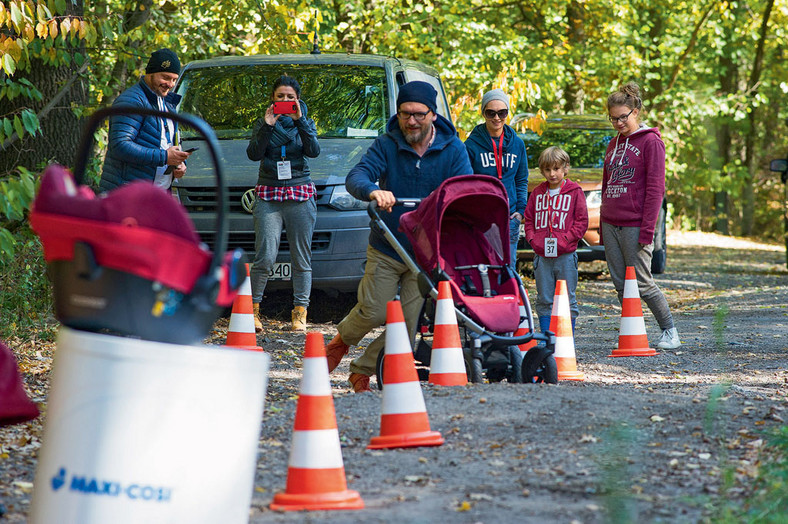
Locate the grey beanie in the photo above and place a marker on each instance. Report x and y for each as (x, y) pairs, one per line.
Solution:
(494, 94)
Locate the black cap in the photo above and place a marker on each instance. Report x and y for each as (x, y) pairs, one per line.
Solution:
(163, 61)
(418, 91)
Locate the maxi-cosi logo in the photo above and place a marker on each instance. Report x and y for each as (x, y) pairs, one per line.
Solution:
(93, 486)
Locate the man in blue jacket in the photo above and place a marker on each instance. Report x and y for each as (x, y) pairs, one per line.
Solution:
(143, 147)
(419, 151)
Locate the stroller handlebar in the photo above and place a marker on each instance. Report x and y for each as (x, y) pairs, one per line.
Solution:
(374, 214)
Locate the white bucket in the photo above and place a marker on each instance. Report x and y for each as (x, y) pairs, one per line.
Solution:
(140, 431)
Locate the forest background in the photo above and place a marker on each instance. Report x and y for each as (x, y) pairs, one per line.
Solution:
(714, 76)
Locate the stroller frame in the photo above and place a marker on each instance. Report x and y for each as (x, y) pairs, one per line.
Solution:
(479, 342)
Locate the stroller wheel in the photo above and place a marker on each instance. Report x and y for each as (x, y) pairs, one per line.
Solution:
(474, 370)
(379, 368)
(550, 371)
(539, 366)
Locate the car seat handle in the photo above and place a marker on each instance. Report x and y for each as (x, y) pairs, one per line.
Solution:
(86, 148)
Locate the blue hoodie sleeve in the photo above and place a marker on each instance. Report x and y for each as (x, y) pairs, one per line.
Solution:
(461, 164)
(363, 177)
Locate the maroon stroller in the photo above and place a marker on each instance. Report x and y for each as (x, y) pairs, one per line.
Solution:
(460, 233)
(129, 262)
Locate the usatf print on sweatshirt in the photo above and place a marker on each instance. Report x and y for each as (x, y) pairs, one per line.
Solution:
(563, 215)
(633, 181)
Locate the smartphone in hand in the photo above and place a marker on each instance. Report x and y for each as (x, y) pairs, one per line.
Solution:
(286, 107)
(191, 150)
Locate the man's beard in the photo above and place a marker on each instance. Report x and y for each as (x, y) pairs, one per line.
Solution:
(413, 137)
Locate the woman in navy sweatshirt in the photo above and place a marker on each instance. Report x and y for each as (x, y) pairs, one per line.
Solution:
(633, 186)
(495, 149)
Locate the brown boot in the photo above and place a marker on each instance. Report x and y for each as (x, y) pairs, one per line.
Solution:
(298, 318)
(258, 326)
(335, 350)
(359, 382)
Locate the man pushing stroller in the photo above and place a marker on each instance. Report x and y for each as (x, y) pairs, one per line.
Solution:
(419, 151)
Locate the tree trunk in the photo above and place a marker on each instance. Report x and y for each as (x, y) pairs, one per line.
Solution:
(576, 36)
(728, 73)
(750, 154)
(60, 127)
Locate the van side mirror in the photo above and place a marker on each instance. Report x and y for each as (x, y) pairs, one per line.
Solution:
(780, 166)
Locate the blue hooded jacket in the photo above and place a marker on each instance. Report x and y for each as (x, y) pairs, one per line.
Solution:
(514, 174)
(393, 165)
(135, 151)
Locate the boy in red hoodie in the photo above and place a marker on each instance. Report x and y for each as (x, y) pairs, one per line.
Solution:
(555, 220)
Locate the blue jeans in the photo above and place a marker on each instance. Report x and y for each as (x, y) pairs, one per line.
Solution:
(298, 220)
(514, 237)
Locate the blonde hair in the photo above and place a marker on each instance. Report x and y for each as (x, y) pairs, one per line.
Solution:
(627, 95)
(553, 156)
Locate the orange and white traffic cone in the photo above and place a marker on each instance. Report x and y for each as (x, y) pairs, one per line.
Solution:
(632, 338)
(403, 414)
(447, 364)
(240, 332)
(528, 320)
(316, 473)
(561, 325)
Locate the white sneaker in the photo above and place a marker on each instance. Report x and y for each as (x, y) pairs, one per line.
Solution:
(669, 339)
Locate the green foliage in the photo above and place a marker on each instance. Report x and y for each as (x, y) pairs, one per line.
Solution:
(16, 194)
(768, 502)
(25, 296)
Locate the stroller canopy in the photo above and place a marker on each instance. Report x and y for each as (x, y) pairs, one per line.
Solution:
(479, 202)
(461, 226)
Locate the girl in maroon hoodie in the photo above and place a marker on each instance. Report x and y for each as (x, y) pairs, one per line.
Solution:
(555, 220)
(633, 186)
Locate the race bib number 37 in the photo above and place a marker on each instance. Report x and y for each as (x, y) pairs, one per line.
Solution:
(551, 247)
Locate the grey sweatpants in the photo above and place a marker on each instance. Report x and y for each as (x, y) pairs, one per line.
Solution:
(621, 250)
(547, 272)
(298, 219)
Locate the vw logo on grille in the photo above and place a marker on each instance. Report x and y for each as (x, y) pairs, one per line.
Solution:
(247, 201)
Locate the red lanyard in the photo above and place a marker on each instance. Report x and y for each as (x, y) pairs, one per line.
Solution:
(498, 160)
(549, 211)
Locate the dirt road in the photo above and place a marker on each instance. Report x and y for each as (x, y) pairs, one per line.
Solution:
(642, 438)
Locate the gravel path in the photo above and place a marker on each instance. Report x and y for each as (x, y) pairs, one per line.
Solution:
(661, 439)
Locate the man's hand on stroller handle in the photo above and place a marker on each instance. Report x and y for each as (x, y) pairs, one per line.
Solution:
(384, 199)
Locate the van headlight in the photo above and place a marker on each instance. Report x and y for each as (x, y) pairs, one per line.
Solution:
(341, 200)
(594, 198)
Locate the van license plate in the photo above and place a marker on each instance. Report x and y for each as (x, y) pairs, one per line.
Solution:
(280, 271)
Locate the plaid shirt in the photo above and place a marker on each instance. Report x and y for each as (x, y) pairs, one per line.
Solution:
(300, 193)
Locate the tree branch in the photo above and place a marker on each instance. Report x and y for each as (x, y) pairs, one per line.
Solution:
(690, 45)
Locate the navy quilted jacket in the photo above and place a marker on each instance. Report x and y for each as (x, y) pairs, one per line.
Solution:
(135, 150)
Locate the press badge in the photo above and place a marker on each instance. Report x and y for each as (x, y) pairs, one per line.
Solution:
(283, 170)
(551, 247)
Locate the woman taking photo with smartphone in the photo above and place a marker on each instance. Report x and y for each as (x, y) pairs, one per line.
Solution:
(495, 149)
(282, 140)
(633, 186)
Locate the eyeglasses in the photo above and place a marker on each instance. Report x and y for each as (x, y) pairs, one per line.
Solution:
(419, 116)
(490, 114)
(621, 119)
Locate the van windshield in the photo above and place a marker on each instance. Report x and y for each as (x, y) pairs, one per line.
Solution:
(345, 101)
